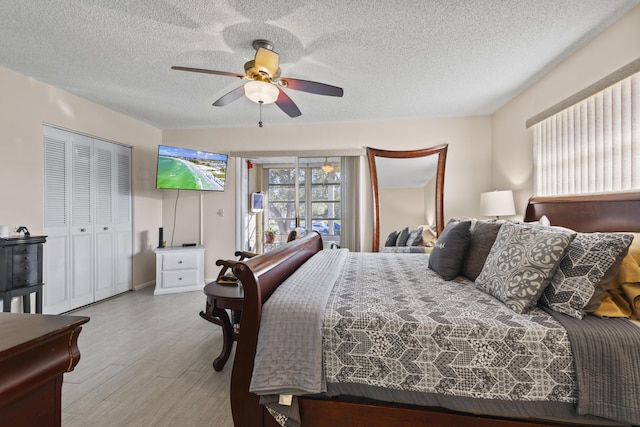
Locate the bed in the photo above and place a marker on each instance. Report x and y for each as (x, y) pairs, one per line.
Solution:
(262, 275)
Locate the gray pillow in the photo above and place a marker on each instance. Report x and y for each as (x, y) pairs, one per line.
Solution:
(483, 234)
(521, 263)
(448, 254)
(391, 239)
(577, 285)
(415, 237)
(402, 237)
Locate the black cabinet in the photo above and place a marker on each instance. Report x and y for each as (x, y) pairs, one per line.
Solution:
(21, 270)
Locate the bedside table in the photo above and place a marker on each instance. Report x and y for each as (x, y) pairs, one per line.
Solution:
(179, 269)
(219, 299)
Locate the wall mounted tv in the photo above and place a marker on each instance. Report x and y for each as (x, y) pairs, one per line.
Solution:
(185, 169)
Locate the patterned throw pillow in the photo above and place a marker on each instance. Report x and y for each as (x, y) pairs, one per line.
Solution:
(483, 234)
(448, 254)
(391, 239)
(577, 285)
(521, 263)
(415, 237)
(402, 237)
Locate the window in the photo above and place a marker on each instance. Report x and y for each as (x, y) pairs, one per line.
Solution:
(592, 145)
(316, 205)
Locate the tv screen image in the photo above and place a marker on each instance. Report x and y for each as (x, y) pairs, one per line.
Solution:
(186, 169)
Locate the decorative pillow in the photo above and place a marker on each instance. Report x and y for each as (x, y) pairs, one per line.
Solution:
(622, 297)
(543, 220)
(483, 234)
(576, 286)
(415, 237)
(451, 247)
(391, 239)
(521, 263)
(429, 236)
(402, 237)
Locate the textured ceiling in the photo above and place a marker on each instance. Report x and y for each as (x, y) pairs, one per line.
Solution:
(394, 58)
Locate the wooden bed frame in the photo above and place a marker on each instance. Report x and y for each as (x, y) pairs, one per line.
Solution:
(261, 275)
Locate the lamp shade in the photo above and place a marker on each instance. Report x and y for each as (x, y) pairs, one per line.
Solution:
(261, 92)
(497, 203)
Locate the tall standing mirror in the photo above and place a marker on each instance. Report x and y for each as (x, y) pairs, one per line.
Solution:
(407, 189)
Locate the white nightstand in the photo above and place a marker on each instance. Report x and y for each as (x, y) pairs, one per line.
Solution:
(179, 269)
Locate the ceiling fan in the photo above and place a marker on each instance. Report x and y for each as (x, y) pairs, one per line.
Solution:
(264, 84)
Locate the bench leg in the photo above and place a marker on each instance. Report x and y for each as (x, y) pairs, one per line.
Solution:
(220, 317)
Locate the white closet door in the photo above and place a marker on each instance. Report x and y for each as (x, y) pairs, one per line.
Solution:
(104, 233)
(87, 218)
(56, 264)
(81, 231)
(123, 221)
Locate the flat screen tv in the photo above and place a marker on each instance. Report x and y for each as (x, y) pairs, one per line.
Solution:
(185, 169)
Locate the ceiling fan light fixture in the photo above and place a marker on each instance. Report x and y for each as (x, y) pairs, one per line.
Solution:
(327, 167)
(261, 92)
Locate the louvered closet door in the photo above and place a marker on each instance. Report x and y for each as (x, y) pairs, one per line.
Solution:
(56, 264)
(123, 220)
(104, 235)
(81, 231)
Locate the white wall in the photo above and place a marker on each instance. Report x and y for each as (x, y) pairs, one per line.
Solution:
(25, 104)
(512, 160)
(398, 210)
(467, 170)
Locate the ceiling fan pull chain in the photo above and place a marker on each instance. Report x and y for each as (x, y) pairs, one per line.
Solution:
(260, 122)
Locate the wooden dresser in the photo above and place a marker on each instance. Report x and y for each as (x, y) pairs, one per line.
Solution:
(35, 351)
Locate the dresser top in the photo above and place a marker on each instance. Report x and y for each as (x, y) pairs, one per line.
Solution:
(21, 240)
(18, 330)
(168, 249)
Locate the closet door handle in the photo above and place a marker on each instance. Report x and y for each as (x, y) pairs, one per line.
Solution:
(82, 230)
(105, 228)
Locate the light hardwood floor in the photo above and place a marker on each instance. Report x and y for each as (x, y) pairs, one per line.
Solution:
(145, 360)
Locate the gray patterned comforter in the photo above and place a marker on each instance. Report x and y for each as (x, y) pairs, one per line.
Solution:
(392, 322)
(394, 330)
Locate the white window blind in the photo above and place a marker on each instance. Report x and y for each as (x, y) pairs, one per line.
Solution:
(592, 146)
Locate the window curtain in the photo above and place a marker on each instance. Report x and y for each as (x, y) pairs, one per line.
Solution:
(351, 221)
(592, 146)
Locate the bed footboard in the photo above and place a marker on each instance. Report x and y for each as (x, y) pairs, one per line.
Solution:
(260, 276)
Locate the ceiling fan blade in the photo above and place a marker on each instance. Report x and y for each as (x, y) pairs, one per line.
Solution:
(204, 70)
(313, 87)
(268, 60)
(287, 105)
(230, 97)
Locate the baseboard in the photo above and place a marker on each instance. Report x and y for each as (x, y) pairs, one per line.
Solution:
(144, 285)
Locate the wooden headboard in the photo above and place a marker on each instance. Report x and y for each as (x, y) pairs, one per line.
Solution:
(589, 213)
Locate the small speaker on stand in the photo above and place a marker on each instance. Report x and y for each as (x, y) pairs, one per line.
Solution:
(160, 240)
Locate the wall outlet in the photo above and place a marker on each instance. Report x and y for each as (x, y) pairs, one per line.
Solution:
(220, 212)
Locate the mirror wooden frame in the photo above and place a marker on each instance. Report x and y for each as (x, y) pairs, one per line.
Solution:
(372, 153)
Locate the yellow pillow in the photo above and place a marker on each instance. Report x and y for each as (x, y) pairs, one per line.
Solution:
(622, 297)
(428, 236)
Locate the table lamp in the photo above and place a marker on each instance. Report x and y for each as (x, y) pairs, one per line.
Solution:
(497, 203)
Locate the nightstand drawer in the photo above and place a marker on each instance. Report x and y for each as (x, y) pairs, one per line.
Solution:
(179, 278)
(25, 274)
(25, 266)
(179, 261)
